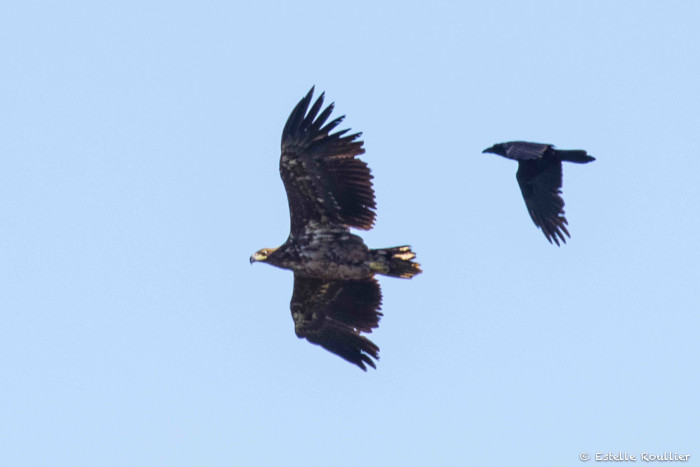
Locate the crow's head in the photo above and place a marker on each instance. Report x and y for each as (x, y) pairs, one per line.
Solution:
(499, 149)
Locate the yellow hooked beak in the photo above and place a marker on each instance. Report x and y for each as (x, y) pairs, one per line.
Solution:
(261, 255)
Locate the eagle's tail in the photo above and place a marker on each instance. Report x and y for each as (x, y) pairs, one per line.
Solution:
(395, 262)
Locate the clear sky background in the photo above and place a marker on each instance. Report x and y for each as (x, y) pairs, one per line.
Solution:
(139, 149)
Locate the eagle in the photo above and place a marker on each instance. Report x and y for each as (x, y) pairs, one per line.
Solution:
(336, 297)
(540, 178)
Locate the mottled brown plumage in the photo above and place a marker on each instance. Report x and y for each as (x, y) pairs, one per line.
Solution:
(329, 190)
(333, 313)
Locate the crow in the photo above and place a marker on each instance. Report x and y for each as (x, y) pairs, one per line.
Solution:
(539, 176)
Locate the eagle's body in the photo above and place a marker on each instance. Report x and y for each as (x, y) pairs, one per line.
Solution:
(540, 179)
(324, 253)
(329, 190)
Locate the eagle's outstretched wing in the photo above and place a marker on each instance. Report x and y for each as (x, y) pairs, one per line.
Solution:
(540, 183)
(325, 182)
(333, 313)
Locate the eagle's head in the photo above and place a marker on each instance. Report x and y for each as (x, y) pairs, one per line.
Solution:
(262, 255)
(499, 149)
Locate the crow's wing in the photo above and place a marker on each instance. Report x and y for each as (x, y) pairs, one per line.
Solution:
(540, 183)
(525, 150)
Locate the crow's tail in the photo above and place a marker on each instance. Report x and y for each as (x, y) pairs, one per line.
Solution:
(575, 155)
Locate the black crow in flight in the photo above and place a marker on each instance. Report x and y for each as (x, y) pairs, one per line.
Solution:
(539, 177)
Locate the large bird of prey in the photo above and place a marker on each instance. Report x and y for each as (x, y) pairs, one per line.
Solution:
(336, 297)
(540, 178)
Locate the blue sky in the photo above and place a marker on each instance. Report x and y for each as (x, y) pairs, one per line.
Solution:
(139, 146)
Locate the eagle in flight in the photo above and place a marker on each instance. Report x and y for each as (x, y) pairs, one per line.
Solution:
(540, 178)
(336, 297)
